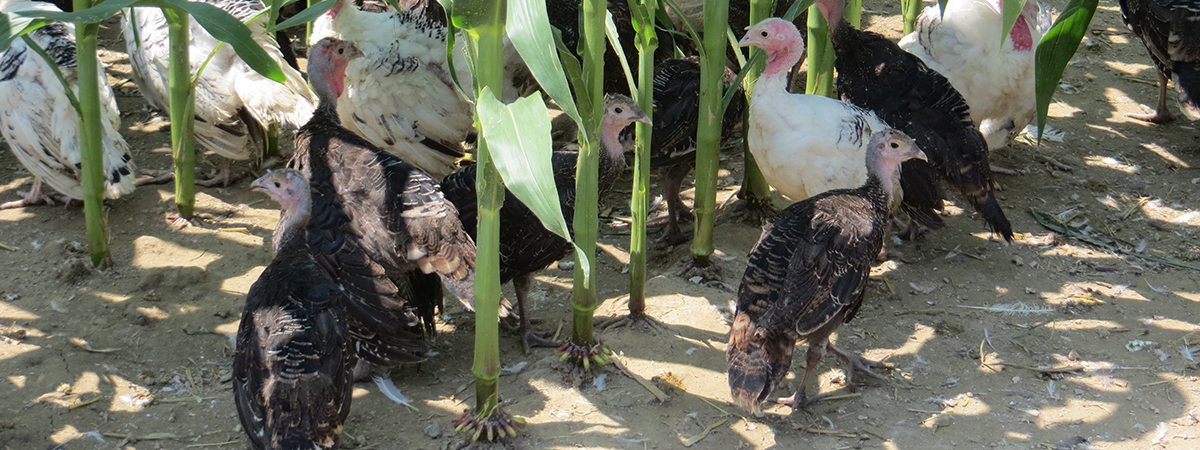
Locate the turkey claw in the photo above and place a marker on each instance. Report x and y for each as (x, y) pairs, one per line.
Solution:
(537, 339)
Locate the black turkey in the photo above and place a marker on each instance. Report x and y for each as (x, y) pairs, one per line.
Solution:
(807, 275)
(876, 74)
(525, 245)
(291, 371)
(1171, 31)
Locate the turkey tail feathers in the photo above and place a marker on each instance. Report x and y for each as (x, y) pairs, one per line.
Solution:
(756, 364)
(1187, 82)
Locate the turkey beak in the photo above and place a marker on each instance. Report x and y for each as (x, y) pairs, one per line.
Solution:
(748, 39)
(643, 119)
(260, 185)
(916, 153)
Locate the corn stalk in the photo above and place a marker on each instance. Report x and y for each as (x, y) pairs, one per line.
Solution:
(182, 103)
(87, 65)
(755, 190)
(647, 42)
(909, 10)
(708, 134)
(820, 55)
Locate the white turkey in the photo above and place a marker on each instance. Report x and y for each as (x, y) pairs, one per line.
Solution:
(233, 102)
(41, 126)
(996, 78)
(400, 95)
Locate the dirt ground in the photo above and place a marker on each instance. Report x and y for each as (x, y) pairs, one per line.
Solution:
(139, 355)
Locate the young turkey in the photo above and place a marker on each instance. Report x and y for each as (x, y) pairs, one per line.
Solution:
(42, 128)
(808, 144)
(381, 225)
(673, 142)
(1170, 29)
(234, 104)
(876, 74)
(807, 275)
(291, 370)
(995, 77)
(400, 96)
(525, 245)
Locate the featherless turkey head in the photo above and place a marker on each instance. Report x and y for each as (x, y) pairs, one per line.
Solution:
(285, 186)
(621, 110)
(780, 39)
(887, 150)
(327, 65)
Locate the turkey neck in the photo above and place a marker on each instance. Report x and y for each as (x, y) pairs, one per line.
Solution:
(328, 87)
(612, 161)
(289, 233)
(881, 182)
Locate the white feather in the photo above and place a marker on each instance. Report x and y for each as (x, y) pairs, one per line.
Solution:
(996, 79)
(389, 390)
(39, 123)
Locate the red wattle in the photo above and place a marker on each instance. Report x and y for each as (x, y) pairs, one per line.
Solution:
(1021, 38)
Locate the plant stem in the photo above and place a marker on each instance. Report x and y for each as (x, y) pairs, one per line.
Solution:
(583, 293)
(820, 55)
(853, 12)
(647, 42)
(183, 106)
(271, 142)
(910, 9)
(755, 190)
(88, 71)
(490, 189)
(708, 134)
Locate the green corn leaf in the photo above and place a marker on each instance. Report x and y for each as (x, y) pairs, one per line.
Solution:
(518, 135)
(1055, 51)
(13, 26)
(95, 14)
(942, 7)
(610, 30)
(309, 14)
(228, 29)
(529, 30)
(1012, 10)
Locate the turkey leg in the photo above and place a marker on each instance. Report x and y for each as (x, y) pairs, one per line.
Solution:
(1160, 115)
(529, 338)
(801, 399)
(34, 197)
(676, 211)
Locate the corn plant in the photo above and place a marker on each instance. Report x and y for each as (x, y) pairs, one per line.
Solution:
(820, 55)
(643, 12)
(87, 17)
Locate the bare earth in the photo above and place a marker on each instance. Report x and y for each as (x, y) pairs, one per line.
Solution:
(139, 354)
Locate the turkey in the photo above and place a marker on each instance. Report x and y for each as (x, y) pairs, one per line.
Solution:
(807, 275)
(673, 142)
(291, 370)
(525, 245)
(1170, 31)
(234, 104)
(400, 96)
(876, 74)
(996, 78)
(42, 127)
(808, 144)
(379, 224)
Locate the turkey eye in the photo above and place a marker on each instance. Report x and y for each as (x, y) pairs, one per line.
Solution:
(341, 50)
(277, 184)
(763, 33)
(618, 110)
(895, 145)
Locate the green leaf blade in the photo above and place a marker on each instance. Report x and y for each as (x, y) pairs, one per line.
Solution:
(13, 26)
(226, 28)
(529, 30)
(1056, 49)
(518, 137)
(1011, 11)
(95, 14)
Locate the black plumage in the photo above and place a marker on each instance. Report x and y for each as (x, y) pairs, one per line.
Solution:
(566, 16)
(807, 275)
(380, 225)
(291, 371)
(1170, 29)
(673, 143)
(525, 245)
(874, 73)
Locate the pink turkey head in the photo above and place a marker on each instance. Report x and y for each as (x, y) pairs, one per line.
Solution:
(780, 39)
(327, 65)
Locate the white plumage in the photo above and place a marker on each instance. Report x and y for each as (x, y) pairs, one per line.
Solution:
(233, 102)
(804, 144)
(996, 78)
(39, 123)
(400, 95)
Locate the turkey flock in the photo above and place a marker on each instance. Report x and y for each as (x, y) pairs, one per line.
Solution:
(378, 207)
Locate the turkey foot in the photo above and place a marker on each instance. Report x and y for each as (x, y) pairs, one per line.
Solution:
(490, 425)
(801, 400)
(1003, 170)
(156, 177)
(224, 178)
(861, 364)
(1161, 114)
(753, 210)
(585, 355)
(632, 321)
(533, 339)
(35, 196)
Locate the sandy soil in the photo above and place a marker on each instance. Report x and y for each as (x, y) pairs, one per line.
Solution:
(138, 356)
